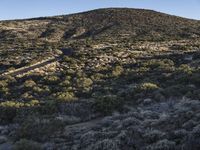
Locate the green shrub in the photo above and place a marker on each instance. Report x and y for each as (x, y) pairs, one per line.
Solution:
(147, 87)
(16, 104)
(65, 96)
(107, 104)
(7, 114)
(84, 84)
(4, 90)
(176, 90)
(160, 65)
(3, 84)
(38, 129)
(194, 79)
(29, 84)
(9, 79)
(184, 68)
(41, 90)
(51, 79)
(97, 76)
(49, 107)
(65, 83)
(117, 71)
(69, 60)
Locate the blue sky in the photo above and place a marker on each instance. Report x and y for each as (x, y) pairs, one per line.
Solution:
(18, 9)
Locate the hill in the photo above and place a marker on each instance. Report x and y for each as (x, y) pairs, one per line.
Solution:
(135, 23)
(37, 35)
(110, 79)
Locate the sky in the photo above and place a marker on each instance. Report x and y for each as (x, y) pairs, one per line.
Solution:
(19, 9)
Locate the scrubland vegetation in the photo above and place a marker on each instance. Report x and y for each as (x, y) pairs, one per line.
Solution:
(117, 84)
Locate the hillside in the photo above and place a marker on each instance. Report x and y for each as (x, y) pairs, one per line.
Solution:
(41, 35)
(107, 79)
(135, 23)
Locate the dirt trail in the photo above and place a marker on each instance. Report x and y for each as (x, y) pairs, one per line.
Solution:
(29, 68)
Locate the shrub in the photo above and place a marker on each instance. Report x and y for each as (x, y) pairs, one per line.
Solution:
(11, 104)
(69, 60)
(65, 96)
(16, 104)
(51, 79)
(194, 79)
(117, 71)
(38, 129)
(49, 107)
(9, 79)
(65, 83)
(105, 144)
(185, 69)
(162, 145)
(160, 65)
(41, 90)
(147, 87)
(192, 142)
(29, 84)
(176, 90)
(84, 84)
(107, 104)
(24, 144)
(3, 84)
(97, 76)
(4, 90)
(7, 114)
(34, 102)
